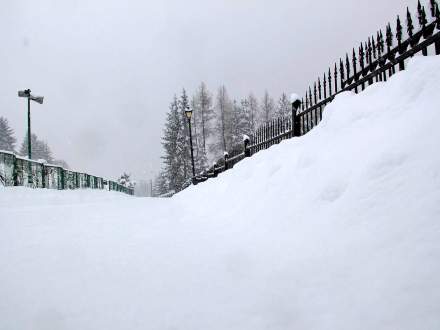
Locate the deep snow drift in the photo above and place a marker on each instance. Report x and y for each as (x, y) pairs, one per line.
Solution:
(339, 229)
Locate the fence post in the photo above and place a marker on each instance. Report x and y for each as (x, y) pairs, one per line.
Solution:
(214, 170)
(43, 176)
(296, 103)
(226, 155)
(62, 178)
(15, 171)
(247, 150)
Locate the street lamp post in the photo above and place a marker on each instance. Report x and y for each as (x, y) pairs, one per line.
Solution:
(39, 99)
(188, 113)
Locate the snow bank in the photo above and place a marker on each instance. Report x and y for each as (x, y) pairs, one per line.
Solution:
(338, 229)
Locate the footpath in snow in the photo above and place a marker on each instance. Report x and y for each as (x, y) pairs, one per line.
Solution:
(339, 229)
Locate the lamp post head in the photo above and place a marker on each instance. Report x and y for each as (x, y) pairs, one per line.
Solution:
(24, 93)
(38, 99)
(188, 113)
(27, 93)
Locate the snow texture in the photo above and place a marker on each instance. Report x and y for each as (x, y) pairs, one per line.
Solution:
(294, 97)
(338, 229)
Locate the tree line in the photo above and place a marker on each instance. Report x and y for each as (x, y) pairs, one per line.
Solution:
(218, 125)
(40, 148)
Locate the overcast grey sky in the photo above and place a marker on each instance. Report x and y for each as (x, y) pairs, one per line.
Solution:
(108, 69)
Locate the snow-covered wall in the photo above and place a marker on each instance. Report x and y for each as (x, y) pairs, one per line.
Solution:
(338, 229)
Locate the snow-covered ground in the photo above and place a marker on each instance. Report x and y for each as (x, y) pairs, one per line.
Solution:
(339, 229)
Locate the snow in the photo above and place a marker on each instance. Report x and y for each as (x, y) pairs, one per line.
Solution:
(294, 97)
(338, 229)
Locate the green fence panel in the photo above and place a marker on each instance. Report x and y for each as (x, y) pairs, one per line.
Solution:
(20, 171)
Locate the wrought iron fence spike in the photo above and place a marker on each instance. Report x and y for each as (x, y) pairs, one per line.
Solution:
(409, 23)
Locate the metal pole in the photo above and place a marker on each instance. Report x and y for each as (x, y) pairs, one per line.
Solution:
(29, 129)
(192, 152)
(30, 176)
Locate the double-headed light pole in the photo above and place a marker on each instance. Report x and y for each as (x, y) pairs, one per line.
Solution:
(188, 113)
(39, 99)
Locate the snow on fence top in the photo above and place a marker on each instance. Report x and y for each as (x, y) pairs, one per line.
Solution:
(294, 97)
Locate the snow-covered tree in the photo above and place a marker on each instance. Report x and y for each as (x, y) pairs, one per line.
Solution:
(199, 141)
(160, 185)
(246, 117)
(7, 139)
(125, 180)
(267, 108)
(253, 112)
(283, 107)
(222, 127)
(204, 114)
(240, 122)
(40, 149)
(170, 142)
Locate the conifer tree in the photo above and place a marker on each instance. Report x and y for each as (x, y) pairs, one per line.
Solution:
(170, 140)
(160, 185)
(40, 149)
(246, 117)
(7, 139)
(237, 122)
(283, 107)
(253, 112)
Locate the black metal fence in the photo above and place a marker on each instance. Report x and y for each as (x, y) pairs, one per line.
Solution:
(18, 171)
(375, 60)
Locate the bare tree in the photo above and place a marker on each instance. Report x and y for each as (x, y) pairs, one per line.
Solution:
(223, 122)
(267, 108)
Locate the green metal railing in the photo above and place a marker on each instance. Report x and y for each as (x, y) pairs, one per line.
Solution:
(19, 171)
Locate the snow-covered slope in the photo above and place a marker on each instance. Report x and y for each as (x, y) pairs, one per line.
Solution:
(339, 229)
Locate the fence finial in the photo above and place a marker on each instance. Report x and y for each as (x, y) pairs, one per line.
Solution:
(399, 31)
(433, 5)
(361, 57)
(369, 52)
(315, 94)
(379, 49)
(381, 41)
(330, 81)
(310, 96)
(319, 88)
(307, 100)
(374, 47)
(409, 23)
(336, 78)
(324, 81)
(437, 16)
(421, 15)
(354, 60)
(347, 65)
(341, 71)
(389, 37)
